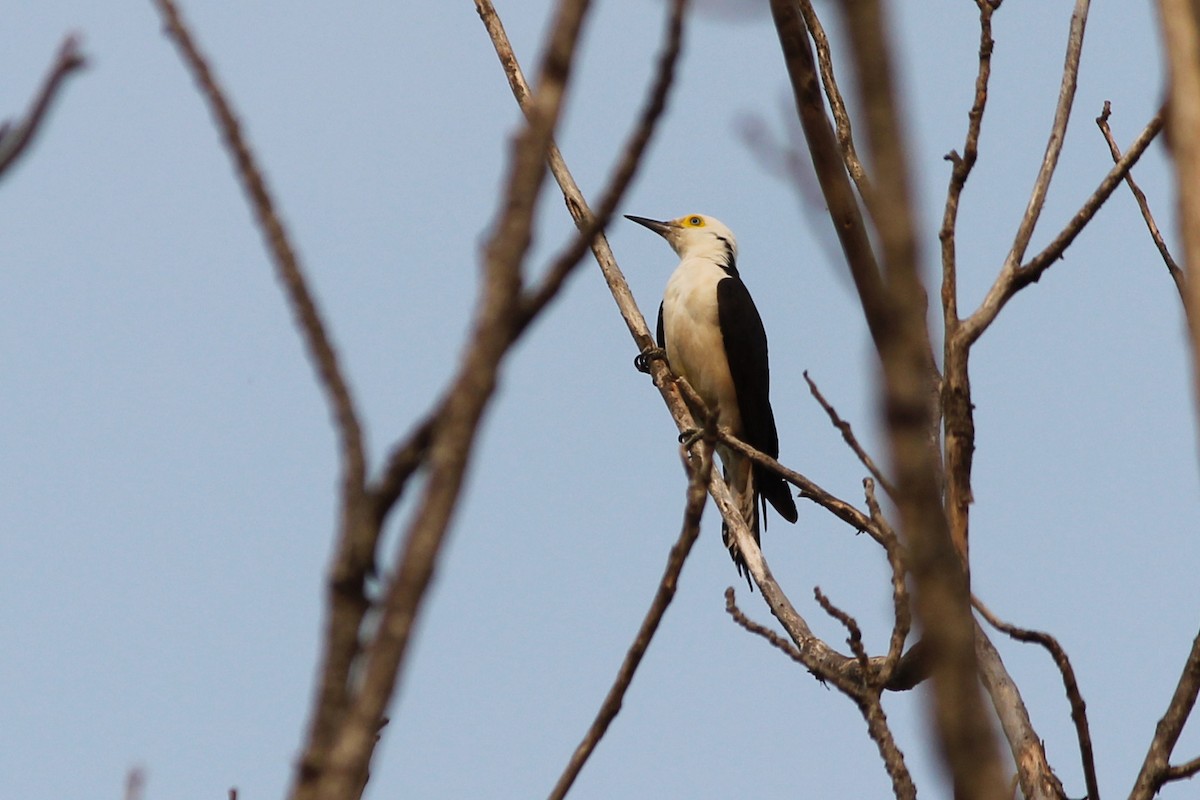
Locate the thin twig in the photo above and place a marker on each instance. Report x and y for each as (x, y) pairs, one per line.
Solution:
(1074, 696)
(287, 264)
(631, 157)
(848, 436)
(1009, 282)
(901, 610)
(697, 494)
(16, 138)
(1173, 268)
(406, 457)
(841, 118)
(773, 638)
(851, 625)
(808, 490)
(1058, 132)
(1182, 771)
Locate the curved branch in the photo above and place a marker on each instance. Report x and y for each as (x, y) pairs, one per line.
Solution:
(1074, 696)
(15, 139)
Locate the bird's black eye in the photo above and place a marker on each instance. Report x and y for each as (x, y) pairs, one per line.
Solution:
(695, 222)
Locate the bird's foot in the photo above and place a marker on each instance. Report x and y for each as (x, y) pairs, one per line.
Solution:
(689, 436)
(641, 361)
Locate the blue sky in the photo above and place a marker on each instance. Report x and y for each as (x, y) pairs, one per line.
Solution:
(167, 487)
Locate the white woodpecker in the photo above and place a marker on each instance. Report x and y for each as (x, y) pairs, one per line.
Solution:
(713, 337)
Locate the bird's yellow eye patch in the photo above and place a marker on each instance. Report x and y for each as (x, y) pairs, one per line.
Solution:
(694, 221)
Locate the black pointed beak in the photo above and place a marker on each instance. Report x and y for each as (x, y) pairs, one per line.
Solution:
(661, 228)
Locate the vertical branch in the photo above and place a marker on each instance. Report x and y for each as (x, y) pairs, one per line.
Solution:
(827, 161)
(958, 416)
(1180, 25)
(357, 536)
(942, 601)
(343, 765)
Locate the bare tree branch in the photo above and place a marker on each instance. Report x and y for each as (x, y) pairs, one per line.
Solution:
(841, 118)
(1074, 696)
(963, 729)
(16, 138)
(626, 167)
(827, 161)
(1009, 282)
(1156, 769)
(1176, 273)
(344, 762)
(958, 419)
(1183, 771)
(356, 537)
(697, 494)
(808, 490)
(848, 436)
(1036, 778)
(1180, 27)
(1058, 132)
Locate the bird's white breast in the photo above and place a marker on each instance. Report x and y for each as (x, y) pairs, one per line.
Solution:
(695, 345)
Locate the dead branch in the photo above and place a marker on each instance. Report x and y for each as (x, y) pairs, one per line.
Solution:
(958, 421)
(1058, 132)
(1074, 696)
(15, 138)
(1036, 778)
(1176, 273)
(773, 638)
(851, 625)
(1156, 769)
(356, 537)
(963, 728)
(1180, 26)
(848, 436)
(841, 118)
(901, 609)
(827, 161)
(341, 764)
(1011, 281)
(808, 490)
(697, 494)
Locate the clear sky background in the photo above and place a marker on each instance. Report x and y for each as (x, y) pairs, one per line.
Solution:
(167, 485)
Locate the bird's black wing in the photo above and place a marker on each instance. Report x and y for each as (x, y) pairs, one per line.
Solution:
(746, 348)
(662, 339)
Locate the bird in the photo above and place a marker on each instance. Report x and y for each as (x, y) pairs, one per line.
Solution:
(713, 337)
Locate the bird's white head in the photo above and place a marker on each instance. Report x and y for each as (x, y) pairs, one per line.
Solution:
(695, 235)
